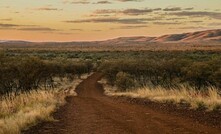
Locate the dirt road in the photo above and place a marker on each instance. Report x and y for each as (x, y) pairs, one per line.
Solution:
(91, 112)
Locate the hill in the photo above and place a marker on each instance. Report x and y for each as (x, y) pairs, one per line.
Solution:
(201, 40)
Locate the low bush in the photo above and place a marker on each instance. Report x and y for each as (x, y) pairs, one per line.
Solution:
(124, 81)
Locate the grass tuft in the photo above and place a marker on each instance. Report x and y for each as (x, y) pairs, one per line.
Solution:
(207, 99)
(18, 111)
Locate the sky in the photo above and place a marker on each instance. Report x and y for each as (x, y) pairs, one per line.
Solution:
(86, 20)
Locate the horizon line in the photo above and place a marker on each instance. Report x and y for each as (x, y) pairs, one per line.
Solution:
(54, 41)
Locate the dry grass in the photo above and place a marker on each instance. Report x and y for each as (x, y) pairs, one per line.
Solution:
(19, 111)
(85, 76)
(209, 99)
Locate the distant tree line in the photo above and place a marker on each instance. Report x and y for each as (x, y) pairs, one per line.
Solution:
(167, 73)
(27, 73)
(25, 69)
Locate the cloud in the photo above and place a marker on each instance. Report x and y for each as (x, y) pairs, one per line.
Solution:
(215, 15)
(103, 2)
(9, 28)
(7, 25)
(130, 0)
(26, 27)
(136, 11)
(76, 1)
(189, 8)
(76, 29)
(177, 18)
(37, 29)
(105, 11)
(196, 21)
(131, 11)
(130, 27)
(111, 20)
(191, 27)
(47, 8)
(86, 2)
(167, 23)
(98, 15)
(173, 9)
(3, 25)
(157, 9)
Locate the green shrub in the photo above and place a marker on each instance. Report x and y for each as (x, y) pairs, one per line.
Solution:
(124, 81)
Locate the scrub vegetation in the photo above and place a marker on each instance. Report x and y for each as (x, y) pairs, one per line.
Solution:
(36, 82)
(192, 78)
(31, 88)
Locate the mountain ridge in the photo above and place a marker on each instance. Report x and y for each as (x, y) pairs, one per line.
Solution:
(206, 35)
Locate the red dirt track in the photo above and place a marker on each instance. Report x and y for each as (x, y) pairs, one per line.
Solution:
(91, 112)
